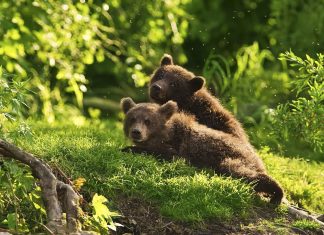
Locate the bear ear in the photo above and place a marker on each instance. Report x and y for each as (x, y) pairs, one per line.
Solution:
(168, 109)
(196, 83)
(126, 104)
(166, 60)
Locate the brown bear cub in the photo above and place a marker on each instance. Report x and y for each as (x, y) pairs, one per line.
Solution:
(173, 82)
(161, 130)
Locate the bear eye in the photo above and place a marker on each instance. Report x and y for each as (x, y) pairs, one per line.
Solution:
(133, 119)
(173, 84)
(147, 122)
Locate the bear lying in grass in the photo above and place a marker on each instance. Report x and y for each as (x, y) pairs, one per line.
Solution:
(161, 130)
(173, 82)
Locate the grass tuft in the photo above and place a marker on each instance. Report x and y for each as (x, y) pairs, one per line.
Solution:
(306, 224)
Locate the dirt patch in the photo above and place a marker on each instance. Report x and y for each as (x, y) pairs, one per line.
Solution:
(142, 217)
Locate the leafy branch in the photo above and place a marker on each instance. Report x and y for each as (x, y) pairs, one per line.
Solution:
(303, 117)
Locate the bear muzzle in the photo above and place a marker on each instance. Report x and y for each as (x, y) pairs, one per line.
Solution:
(136, 135)
(156, 92)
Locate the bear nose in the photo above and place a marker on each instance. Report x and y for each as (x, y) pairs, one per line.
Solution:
(156, 88)
(136, 134)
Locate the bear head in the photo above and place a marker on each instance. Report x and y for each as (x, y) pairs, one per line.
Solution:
(173, 82)
(143, 121)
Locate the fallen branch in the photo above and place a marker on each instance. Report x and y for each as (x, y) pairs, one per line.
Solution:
(60, 175)
(4, 231)
(57, 196)
(302, 214)
(300, 231)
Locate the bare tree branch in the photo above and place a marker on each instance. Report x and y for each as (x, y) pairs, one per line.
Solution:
(302, 214)
(57, 196)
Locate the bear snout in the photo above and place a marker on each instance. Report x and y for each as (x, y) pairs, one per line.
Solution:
(156, 92)
(136, 135)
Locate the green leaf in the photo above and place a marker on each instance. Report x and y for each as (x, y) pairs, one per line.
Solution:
(100, 208)
(12, 221)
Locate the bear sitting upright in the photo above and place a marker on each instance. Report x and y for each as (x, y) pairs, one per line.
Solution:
(161, 130)
(173, 82)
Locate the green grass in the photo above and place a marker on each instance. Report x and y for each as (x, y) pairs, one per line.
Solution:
(301, 179)
(179, 191)
(306, 224)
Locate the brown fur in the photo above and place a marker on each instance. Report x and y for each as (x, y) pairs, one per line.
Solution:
(169, 133)
(173, 82)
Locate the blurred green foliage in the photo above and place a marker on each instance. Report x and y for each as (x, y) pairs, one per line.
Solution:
(87, 54)
(297, 25)
(50, 43)
(224, 26)
(149, 29)
(244, 84)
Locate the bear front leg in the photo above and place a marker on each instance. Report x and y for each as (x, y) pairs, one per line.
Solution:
(134, 149)
(166, 153)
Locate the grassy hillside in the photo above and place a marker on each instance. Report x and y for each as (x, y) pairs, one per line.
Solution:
(177, 191)
(94, 153)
